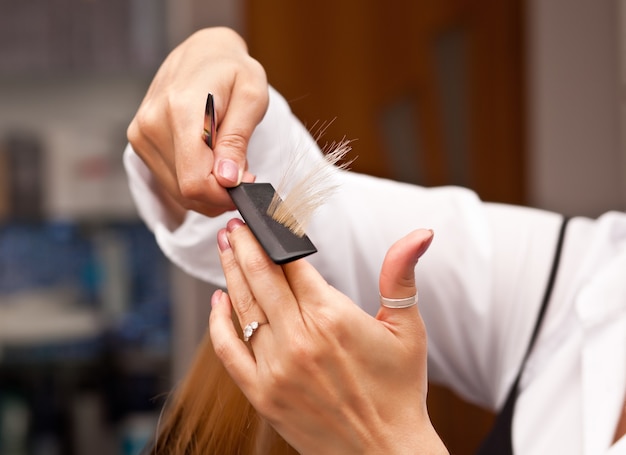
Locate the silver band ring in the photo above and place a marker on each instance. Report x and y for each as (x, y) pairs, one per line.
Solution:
(398, 303)
(249, 330)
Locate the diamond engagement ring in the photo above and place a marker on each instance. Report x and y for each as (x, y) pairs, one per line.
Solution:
(249, 330)
(398, 303)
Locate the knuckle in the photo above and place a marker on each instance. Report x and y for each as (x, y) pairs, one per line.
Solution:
(229, 265)
(304, 355)
(301, 354)
(190, 187)
(234, 140)
(259, 70)
(268, 403)
(250, 90)
(177, 102)
(221, 349)
(257, 264)
(144, 124)
(232, 36)
(132, 132)
(331, 321)
(244, 304)
(280, 379)
(331, 327)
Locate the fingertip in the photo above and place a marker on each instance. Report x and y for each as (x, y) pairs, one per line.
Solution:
(412, 247)
(221, 307)
(397, 276)
(220, 320)
(248, 177)
(427, 239)
(216, 297)
(222, 242)
(228, 172)
(233, 224)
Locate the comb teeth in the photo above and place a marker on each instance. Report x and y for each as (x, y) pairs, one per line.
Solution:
(280, 243)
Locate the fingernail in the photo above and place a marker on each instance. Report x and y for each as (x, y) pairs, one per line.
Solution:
(222, 240)
(426, 244)
(248, 177)
(228, 170)
(234, 224)
(215, 298)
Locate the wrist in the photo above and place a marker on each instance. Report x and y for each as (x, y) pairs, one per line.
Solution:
(173, 211)
(419, 439)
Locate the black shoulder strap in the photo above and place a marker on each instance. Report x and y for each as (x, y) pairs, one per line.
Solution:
(499, 441)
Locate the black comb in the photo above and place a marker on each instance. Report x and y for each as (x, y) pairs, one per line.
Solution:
(278, 241)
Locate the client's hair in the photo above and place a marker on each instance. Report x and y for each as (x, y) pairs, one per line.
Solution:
(208, 414)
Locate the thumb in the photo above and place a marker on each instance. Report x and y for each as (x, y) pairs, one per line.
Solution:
(235, 129)
(397, 276)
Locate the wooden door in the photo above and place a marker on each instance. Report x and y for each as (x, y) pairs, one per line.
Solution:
(431, 91)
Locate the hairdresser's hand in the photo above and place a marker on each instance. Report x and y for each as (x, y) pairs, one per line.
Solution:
(330, 378)
(167, 129)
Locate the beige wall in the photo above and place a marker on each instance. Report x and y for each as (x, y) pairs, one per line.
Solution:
(185, 16)
(622, 58)
(577, 157)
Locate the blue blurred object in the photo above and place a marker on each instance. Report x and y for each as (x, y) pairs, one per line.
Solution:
(42, 255)
(49, 255)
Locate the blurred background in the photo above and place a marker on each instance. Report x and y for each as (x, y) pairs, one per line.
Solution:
(523, 101)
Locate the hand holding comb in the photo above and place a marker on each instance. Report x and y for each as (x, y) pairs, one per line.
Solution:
(277, 230)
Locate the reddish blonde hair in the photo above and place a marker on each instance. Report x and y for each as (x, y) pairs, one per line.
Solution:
(208, 414)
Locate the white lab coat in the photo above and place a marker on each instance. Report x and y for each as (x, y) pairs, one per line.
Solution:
(480, 284)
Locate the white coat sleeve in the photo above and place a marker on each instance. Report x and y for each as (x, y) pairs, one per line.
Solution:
(480, 282)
